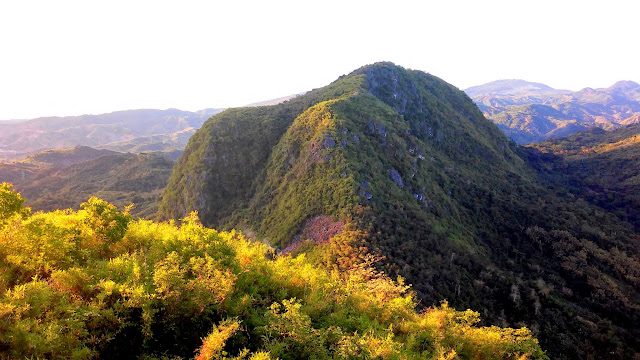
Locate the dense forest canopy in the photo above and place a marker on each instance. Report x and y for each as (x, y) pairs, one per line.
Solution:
(603, 167)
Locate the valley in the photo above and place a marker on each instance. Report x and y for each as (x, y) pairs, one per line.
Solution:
(599, 166)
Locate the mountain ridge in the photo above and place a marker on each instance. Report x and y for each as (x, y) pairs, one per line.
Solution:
(436, 188)
(510, 87)
(25, 137)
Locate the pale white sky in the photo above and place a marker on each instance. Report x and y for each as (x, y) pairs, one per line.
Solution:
(76, 57)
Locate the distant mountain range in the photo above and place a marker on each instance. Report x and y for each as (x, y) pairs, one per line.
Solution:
(600, 166)
(126, 131)
(531, 112)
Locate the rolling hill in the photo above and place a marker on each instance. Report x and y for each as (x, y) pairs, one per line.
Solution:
(64, 178)
(410, 164)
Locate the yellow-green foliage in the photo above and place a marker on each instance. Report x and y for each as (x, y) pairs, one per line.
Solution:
(11, 203)
(95, 283)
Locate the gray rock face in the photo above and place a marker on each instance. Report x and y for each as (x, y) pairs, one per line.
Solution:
(396, 178)
(329, 142)
(376, 128)
(364, 190)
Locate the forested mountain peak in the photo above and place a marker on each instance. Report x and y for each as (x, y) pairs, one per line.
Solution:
(421, 104)
(410, 161)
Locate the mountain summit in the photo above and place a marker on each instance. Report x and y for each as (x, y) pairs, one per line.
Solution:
(510, 87)
(408, 163)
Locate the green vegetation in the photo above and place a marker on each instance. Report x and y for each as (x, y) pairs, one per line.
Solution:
(63, 178)
(439, 192)
(95, 283)
(225, 161)
(600, 166)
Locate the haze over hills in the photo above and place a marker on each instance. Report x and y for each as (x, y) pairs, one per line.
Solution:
(49, 181)
(130, 130)
(515, 91)
(409, 163)
(530, 112)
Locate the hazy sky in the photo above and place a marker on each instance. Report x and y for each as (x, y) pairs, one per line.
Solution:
(76, 57)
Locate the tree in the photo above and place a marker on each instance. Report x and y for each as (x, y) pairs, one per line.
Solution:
(11, 203)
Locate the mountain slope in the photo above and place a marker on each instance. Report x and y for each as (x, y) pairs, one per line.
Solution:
(236, 143)
(511, 103)
(175, 126)
(436, 188)
(601, 166)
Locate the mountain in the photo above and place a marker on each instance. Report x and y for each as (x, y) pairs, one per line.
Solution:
(514, 89)
(27, 168)
(129, 131)
(65, 157)
(600, 166)
(64, 178)
(410, 164)
(530, 112)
